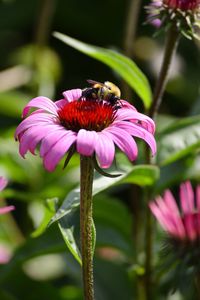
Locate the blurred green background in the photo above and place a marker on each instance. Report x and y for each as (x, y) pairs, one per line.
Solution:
(33, 62)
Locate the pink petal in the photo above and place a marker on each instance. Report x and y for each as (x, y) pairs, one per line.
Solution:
(34, 120)
(61, 103)
(187, 197)
(198, 222)
(124, 141)
(40, 102)
(52, 158)
(190, 226)
(136, 117)
(33, 136)
(139, 132)
(173, 210)
(105, 150)
(6, 209)
(3, 183)
(174, 223)
(198, 197)
(52, 138)
(164, 220)
(126, 104)
(72, 95)
(86, 141)
(171, 203)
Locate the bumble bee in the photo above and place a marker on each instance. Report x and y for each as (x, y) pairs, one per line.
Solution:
(106, 91)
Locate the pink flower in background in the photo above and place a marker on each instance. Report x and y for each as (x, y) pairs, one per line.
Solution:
(184, 223)
(184, 14)
(184, 5)
(92, 127)
(6, 209)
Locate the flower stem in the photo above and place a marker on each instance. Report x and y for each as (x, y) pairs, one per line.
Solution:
(148, 250)
(170, 49)
(131, 26)
(87, 171)
(132, 15)
(44, 20)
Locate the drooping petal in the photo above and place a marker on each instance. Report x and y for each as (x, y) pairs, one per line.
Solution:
(173, 210)
(173, 223)
(72, 95)
(33, 120)
(137, 118)
(85, 143)
(52, 158)
(137, 131)
(198, 197)
(42, 103)
(51, 139)
(171, 203)
(164, 220)
(105, 150)
(33, 135)
(187, 197)
(124, 141)
(3, 183)
(190, 226)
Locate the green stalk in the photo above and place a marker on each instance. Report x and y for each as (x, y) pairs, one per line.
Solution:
(148, 250)
(132, 15)
(87, 172)
(170, 49)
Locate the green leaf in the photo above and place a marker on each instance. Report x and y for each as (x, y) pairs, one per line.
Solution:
(67, 226)
(180, 139)
(67, 215)
(112, 231)
(141, 175)
(123, 65)
(70, 230)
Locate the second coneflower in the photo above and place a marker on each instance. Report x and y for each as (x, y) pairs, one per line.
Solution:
(183, 14)
(181, 221)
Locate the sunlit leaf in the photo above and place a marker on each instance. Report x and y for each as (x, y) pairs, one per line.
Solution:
(178, 140)
(67, 227)
(141, 175)
(123, 65)
(67, 214)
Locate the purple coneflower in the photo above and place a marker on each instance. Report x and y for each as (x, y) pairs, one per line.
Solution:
(180, 253)
(181, 224)
(90, 127)
(6, 209)
(183, 14)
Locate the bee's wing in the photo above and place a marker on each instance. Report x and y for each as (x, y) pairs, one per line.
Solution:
(93, 82)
